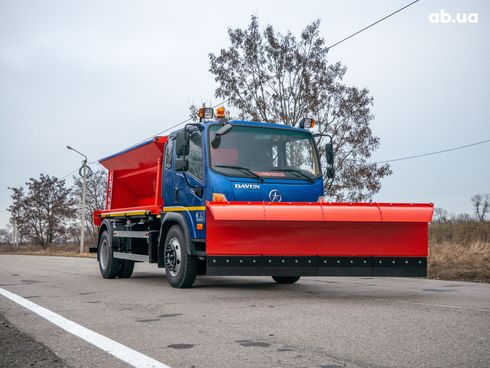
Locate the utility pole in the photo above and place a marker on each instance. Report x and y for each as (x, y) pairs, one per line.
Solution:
(82, 224)
(15, 236)
(84, 186)
(15, 240)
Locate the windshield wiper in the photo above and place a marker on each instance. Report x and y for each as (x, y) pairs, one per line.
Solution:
(295, 171)
(242, 169)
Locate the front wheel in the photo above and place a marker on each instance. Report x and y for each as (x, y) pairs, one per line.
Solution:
(285, 279)
(180, 267)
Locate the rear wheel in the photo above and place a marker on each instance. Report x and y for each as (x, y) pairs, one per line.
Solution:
(285, 279)
(108, 265)
(180, 267)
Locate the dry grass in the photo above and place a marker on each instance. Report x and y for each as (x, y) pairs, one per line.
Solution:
(460, 233)
(460, 251)
(35, 250)
(469, 262)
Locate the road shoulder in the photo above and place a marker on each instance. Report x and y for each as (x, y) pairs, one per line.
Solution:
(21, 350)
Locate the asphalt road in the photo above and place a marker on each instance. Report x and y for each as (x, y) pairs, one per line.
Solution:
(251, 322)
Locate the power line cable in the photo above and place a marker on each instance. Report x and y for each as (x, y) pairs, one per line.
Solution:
(372, 24)
(267, 79)
(434, 152)
(73, 171)
(70, 173)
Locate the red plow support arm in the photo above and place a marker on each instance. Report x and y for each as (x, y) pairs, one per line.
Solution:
(317, 238)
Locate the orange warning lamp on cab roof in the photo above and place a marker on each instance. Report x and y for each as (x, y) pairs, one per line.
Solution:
(220, 112)
(306, 123)
(205, 113)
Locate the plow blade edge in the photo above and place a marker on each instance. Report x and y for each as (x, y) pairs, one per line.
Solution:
(325, 239)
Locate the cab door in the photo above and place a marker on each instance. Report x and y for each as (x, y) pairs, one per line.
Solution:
(188, 191)
(190, 182)
(168, 182)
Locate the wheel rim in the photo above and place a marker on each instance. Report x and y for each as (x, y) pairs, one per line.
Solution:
(173, 257)
(104, 254)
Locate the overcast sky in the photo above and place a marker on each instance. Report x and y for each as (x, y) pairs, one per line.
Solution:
(102, 75)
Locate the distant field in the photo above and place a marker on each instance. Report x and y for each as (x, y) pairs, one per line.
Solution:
(456, 251)
(460, 251)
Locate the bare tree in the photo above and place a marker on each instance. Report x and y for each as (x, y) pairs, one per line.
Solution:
(43, 211)
(441, 216)
(271, 77)
(16, 222)
(481, 204)
(94, 198)
(5, 237)
(461, 218)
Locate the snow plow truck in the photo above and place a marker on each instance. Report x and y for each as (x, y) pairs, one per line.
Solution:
(222, 197)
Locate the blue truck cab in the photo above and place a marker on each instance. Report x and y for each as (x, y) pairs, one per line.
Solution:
(236, 160)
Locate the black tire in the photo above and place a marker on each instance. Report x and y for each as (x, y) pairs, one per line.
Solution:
(126, 269)
(108, 265)
(285, 279)
(180, 267)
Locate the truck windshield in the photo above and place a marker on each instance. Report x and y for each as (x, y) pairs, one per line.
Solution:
(248, 151)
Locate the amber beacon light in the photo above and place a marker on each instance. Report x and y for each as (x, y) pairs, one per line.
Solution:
(220, 112)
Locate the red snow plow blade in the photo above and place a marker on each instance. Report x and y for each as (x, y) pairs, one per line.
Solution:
(325, 239)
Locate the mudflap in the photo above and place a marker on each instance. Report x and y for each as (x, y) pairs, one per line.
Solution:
(317, 239)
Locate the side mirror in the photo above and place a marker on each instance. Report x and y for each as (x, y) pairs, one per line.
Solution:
(182, 144)
(329, 153)
(217, 136)
(330, 159)
(181, 164)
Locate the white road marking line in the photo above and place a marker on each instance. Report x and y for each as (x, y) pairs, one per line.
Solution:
(128, 355)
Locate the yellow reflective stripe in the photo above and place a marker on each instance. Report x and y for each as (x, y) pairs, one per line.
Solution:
(181, 208)
(123, 214)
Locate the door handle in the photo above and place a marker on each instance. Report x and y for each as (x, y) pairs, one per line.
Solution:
(197, 191)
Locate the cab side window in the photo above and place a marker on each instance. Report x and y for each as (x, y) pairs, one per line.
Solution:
(195, 154)
(169, 154)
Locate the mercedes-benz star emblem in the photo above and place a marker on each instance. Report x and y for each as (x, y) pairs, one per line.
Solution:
(275, 196)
